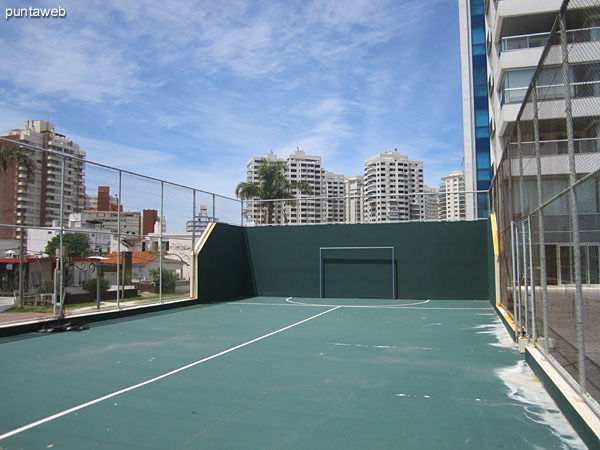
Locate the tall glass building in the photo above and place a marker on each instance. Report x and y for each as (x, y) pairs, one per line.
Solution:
(476, 130)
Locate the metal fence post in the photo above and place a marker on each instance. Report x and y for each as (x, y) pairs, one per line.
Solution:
(160, 239)
(61, 292)
(573, 203)
(525, 282)
(213, 208)
(542, 237)
(119, 243)
(532, 282)
(514, 249)
(193, 219)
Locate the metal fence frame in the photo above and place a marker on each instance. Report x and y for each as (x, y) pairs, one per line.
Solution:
(526, 226)
(59, 286)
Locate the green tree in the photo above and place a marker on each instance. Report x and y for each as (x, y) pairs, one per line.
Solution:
(272, 185)
(13, 154)
(90, 285)
(77, 244)
(168, 279)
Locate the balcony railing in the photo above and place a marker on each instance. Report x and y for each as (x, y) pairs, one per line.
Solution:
(580, 89)
(559, 147)
(541, 39)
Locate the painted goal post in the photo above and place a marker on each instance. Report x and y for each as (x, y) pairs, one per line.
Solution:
(393, 260)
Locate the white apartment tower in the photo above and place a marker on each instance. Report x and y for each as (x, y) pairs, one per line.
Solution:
(451, 197)
(518, 31)
(306, 168)
(354, 205)
(38, 203)
(334, 191)
(391, 181)
(501, 46)
(299, 167)
(430, 204)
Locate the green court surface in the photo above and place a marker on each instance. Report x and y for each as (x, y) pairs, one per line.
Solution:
(271, 373)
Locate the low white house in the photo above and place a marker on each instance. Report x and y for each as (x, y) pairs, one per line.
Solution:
(141, 265)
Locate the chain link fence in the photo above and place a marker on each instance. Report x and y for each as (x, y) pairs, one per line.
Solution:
(81, 236)
(546, 202)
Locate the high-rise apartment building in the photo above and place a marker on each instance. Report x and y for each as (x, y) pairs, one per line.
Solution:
(200, 222)
(334, 191)
(354, 204)
(102, 201)
(476, 132)
(501, 45)
(38, 203)
(430, 204)
(451, 197)
(518, 31)
(299, 167)
(392, 183)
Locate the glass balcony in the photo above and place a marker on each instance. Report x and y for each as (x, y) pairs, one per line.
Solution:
(559, 147)
(510, 43)
(552, 92)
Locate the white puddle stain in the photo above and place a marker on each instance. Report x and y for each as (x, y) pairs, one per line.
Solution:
(524, 387)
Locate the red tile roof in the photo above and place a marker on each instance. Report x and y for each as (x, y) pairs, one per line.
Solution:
(142, 258)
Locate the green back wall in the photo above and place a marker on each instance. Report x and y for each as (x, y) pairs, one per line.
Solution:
(223, 267)
(433, 260)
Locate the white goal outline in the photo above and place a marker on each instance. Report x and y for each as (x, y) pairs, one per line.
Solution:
(357, 248)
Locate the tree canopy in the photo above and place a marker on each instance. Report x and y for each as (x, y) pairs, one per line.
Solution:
(13, 154)
(272, 185)
(77, 245)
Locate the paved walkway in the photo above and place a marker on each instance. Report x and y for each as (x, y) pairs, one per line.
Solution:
(18, 317)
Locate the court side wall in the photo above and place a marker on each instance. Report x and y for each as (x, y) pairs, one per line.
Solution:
(223, 267)
(433, 260)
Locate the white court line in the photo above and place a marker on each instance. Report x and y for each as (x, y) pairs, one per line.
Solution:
(289, 300)
(406, 306)
(152, 380)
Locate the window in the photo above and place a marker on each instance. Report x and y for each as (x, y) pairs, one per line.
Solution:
(479, 49)
(481, 118)
(480, 78)
(483, 160)
(482, 132)
(478, 35)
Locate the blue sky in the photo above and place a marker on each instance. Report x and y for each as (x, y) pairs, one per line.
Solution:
(190, 91)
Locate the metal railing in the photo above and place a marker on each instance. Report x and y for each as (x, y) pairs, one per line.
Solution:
(534, 40)
(580, 89)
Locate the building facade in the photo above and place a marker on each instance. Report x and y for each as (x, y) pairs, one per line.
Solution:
(430, 204)
(38, 202)
(334, 191)
(354, 205)
(200, 222)
(559, 116)
(299, 167)
(451, 197)
(474, 78)
(393, 187)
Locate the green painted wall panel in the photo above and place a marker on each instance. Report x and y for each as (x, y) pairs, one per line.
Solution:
(372, 269)
(434, 260)
(223, 267)
(491, 266)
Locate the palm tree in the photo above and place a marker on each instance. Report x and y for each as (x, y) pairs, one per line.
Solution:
(13, 154)
(272, 185)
